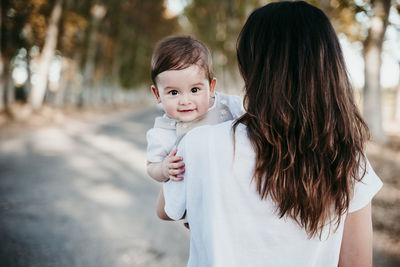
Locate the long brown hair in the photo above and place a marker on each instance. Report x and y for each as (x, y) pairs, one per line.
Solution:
(301, 118)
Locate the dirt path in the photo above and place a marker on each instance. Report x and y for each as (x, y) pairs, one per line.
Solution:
(77, 195)
(386, 205)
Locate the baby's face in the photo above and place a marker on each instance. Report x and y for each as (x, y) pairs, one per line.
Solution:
(184, 94)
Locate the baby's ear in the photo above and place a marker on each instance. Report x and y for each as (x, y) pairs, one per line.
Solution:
(156, 93)
(212, 87)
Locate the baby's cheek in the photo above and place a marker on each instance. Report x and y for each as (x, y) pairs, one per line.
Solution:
(169, 109)
(170, 114)
(205, 105)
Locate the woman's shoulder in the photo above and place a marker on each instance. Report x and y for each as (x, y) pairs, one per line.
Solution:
(229, 100)
(234, 104)
(216, 131)
(214, 127)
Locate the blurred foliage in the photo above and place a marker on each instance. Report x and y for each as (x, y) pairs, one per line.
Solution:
(218, 23)
(14, 15)
(114, 48)
(349, 17)
(125, 36)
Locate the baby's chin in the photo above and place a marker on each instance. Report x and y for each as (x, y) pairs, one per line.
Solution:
(199, 116)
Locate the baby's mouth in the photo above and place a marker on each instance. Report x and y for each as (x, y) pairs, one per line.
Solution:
(186, 110)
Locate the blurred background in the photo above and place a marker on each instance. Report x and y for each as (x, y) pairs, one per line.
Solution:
(75, 104)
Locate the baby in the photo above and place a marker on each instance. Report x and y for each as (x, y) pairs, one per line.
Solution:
(184, 84)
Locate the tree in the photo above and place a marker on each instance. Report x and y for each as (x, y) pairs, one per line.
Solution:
(14, 15)
(97, 12)
(112, 52)
(397, 111)
(217, 24)
(129, 33)
(370, 31)
(1, 62)
(372, 58)
(50, 43)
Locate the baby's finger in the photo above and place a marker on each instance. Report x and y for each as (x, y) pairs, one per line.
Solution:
(173, 152)
(175, 178)
(181, 171)
(175, 159)
(175, 171)
(177, 165)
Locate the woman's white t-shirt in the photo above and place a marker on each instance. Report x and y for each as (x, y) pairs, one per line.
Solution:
(229, 224)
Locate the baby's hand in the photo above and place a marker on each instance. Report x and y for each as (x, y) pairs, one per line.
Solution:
(172, 166)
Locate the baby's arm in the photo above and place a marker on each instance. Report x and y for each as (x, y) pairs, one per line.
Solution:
(172, 167)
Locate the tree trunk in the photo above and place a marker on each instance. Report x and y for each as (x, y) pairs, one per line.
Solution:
(59, 98)
(28, 71)
(115, 70)
(98, 12)
(9, 90)
(397, 104)
(39, 88)
(2, 85)
(2, 104)
(5, 84)
(372, 58)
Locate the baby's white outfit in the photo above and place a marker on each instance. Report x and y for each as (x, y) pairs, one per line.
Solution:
(167, 132)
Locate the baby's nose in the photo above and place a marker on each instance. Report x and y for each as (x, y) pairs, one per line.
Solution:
(184, 99)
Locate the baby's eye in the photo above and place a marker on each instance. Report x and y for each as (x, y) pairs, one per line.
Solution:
(173, 92)
(195, 90)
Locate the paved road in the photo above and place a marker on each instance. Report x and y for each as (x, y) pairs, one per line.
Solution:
(77, 195)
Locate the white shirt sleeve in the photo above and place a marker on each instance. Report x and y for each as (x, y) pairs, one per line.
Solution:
(175, 192)
(156, 149)
(365, 190)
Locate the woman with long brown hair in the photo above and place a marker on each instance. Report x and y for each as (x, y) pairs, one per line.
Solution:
(288, 183)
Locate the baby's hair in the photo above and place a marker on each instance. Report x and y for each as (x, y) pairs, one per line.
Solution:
(180, 52)
(300, 113)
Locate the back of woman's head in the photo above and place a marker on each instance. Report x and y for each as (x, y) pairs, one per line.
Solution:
(301, 117)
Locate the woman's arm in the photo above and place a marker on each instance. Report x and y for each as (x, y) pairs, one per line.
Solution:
(356, 249)
(160, 207)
